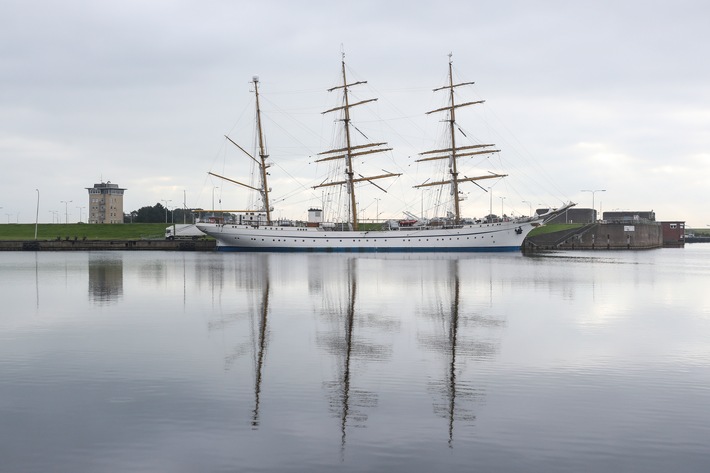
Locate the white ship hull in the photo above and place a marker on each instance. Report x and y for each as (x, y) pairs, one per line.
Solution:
(501, 236)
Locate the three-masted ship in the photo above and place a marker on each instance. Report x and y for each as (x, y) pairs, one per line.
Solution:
(254, 230)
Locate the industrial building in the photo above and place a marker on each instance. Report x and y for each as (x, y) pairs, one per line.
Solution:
(673, 234)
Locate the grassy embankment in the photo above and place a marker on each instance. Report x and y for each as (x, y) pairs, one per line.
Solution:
(50, 231)
(556, 227)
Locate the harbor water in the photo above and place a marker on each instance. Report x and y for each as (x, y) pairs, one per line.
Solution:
(592, 361)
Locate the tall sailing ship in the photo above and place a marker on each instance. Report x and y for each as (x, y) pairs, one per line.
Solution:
(255, 230)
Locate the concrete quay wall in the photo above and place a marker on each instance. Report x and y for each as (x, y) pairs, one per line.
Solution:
(103, 245)
(602, 236)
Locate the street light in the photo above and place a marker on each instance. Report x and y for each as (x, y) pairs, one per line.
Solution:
(377, 208)
(593, 192)
(80, 209)
(37, 214)
(213, 188)
(184, 207)
(501, 206)
(66, 212)
(529, 205)
(166, 209)
(490, 205)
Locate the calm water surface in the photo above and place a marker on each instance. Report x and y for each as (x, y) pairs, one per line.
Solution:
(195, 362)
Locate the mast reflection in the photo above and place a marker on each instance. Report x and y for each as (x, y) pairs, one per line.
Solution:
(455, 392)
(252, 281)
(261, 342)
(347, 403)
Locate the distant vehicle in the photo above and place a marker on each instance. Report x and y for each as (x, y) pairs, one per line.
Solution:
(183, 232)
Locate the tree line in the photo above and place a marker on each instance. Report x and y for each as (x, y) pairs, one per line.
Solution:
(159, 214)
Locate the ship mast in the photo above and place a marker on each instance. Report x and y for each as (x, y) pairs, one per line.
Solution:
(351, 151)
(454, 152)
(261, 162)
(262, 154)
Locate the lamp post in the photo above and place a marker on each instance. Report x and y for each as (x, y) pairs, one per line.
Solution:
(501, 207)
(490, 205)
(593, 192)
(213, 188)
(37, 214)
(66, 212)
(377, 209)
(166, 209)
(80, 209)
(529, 206)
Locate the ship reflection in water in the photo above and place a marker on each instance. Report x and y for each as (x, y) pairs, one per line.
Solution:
(356, 309)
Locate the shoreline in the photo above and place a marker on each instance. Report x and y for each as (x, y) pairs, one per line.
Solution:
(104, 245)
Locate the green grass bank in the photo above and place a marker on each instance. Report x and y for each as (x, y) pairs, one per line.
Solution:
(557, 227)
(52, 231)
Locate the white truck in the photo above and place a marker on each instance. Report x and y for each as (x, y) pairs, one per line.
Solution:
(183, 232)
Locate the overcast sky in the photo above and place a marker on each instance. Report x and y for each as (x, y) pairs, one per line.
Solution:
(579, 96)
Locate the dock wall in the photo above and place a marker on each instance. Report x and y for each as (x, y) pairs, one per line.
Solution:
(104, 245)
(601, 236)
